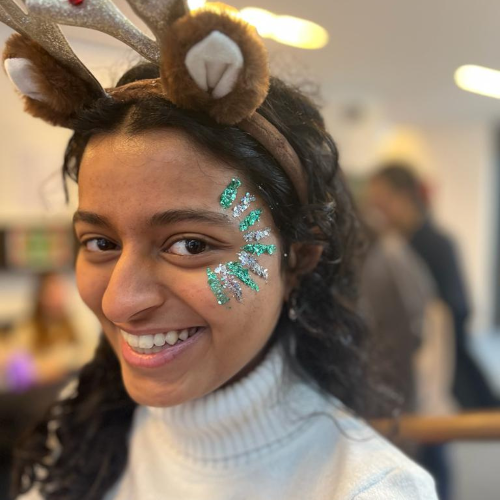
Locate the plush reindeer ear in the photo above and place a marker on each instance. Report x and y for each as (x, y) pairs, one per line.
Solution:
(50, 90)
(215, 62)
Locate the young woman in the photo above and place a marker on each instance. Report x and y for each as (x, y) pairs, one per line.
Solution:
(218, 250)
(188, 397)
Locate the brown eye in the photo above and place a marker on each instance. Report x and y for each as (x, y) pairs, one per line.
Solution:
(99, 245)
(188, 247)
(195, 246)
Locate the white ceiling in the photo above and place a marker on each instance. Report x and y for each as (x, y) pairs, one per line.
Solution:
(400, 54)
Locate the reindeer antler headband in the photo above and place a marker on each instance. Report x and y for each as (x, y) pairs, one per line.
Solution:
(210, 60)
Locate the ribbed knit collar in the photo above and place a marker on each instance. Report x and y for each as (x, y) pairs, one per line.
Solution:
(237, 423)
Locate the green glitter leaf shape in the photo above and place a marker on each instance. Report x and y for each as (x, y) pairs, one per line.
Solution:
(250, 219)
(236, 269)
(229, 194)
(216, 287)
(259, 249)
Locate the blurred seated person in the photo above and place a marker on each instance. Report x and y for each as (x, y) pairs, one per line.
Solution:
(42, 349)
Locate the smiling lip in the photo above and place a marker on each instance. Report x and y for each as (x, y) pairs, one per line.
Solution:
(166, 355)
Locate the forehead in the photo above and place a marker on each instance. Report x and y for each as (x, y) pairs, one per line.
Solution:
(153, 169)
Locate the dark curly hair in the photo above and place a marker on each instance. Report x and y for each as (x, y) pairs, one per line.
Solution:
(327, 344)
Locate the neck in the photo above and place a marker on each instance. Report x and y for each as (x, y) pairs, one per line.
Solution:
(256, 412)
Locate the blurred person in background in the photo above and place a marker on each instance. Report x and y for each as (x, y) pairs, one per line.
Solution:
(395, 291)
(43, 348)
(37, 357)
(399, 199)
(399, 196)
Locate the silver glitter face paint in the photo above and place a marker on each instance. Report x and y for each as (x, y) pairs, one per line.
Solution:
(257, 235)
(229, 282)
(244, 204)
(251, 262)
(228, 277)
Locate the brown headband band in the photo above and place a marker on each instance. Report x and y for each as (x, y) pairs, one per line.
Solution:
(262, 130)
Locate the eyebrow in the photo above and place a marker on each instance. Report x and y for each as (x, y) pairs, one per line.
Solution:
(160, 218)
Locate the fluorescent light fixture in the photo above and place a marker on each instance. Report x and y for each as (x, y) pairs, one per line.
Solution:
(286, 29)
(478, 79)
(196, 4)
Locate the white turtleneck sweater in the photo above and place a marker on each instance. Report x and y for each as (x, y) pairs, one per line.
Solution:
(266, 437)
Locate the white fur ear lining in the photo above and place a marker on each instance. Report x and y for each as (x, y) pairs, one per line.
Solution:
(21, 73)
(215, 63)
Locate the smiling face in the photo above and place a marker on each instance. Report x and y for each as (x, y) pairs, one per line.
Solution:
(150, 223)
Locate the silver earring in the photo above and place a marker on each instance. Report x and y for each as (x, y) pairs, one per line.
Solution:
(292, 307)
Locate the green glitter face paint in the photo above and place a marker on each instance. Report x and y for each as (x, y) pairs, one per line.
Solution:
(229, 194)
(216, 287)
(252, 218)
(258, 249)
(227, 278)
(236, 269)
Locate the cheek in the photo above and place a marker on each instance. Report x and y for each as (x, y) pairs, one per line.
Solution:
(254, 318)
(91, 286)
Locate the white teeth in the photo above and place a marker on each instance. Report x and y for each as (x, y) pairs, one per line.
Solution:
(172, 337)
(159, 339)
(149, 344)
(146, 341)
(132, 340)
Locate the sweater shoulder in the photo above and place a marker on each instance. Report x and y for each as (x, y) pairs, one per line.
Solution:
(397, 481)
(353, 461)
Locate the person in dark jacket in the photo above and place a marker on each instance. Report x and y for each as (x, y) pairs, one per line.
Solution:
(400, 198)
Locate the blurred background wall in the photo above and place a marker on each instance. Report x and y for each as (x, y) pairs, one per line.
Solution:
(386, 86)
(387, 89)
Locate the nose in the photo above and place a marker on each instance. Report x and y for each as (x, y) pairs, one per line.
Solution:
(133, 290)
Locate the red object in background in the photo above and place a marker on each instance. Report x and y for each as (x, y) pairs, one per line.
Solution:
(75, 2)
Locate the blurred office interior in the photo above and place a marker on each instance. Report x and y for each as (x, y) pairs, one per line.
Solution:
(385, 81)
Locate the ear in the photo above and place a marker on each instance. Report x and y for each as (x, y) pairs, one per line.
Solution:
(50, 91)
(215, 62)
(302, 259)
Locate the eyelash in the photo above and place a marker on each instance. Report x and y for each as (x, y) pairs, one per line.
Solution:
(207, 246)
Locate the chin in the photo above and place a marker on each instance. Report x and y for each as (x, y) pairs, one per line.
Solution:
(147, 392)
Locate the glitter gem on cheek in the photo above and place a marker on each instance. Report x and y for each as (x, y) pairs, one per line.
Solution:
(244, 204)
(229, 282)
(257, 235)
(242, 274)
(216, 287)
(250, 262)
(228, 277)
(229, 194)
(259, 249)
(252, 218)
